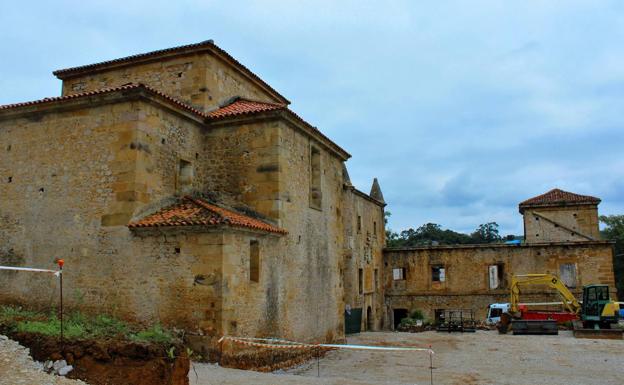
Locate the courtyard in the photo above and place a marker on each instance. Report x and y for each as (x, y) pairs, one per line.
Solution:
(482, 358)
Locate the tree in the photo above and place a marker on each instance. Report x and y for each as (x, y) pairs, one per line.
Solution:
(427, 234)
(486, 233)
(614, 230)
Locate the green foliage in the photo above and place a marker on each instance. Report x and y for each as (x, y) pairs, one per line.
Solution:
(407, 322)
(103, 325)
(171, 352)
(614, 230)
(417, 314)
(12, 314)
(78, 326)
(74, 326)
(434, 234)
(154, 334)
(387, 214)
(414, 318)
(486, 233)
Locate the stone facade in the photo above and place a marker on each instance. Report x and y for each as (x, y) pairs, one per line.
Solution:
(80, 173)
(434, 278)
(467, 283)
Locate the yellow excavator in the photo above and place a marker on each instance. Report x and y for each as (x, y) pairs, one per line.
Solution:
(597, 310)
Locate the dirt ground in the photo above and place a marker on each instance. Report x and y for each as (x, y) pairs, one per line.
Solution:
(480, 358)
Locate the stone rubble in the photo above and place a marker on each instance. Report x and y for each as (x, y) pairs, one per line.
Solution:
(18, 368)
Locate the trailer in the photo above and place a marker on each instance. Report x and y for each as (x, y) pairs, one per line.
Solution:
(457, 320)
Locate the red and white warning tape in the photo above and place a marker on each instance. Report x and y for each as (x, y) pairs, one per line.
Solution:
(277, 343)
(55, 272)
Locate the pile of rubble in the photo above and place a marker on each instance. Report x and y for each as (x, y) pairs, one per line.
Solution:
(17, 367)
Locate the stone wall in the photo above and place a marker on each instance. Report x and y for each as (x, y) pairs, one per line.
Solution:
(75, 172)
(70, 182)
(467, 284)
(364, 239)
(199, 79)
(242, 161)
(561, 224)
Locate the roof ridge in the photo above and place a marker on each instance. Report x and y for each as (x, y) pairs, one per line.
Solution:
(207, 44)
(558, 196)
(243, 99)
(180, 214)
(101, 91)
(208, 206)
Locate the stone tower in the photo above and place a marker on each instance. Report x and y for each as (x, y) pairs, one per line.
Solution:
(560, 216)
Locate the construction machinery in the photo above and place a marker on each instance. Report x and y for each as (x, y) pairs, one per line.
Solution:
(596, 312)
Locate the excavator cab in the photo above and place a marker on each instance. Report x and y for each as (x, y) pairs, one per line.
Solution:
(597, 308)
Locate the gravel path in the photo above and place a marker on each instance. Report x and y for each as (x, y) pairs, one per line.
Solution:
(482, 358)
(18, 368)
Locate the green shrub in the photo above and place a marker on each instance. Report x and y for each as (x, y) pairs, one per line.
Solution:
(11, 314)
(154, 334)
(79, 326)
(417, 314)
(103, 325)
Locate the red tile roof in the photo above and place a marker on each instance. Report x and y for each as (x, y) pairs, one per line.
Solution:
(244, 107)
(126, 87)
(559, 197)
(207, 45)
(249, 107)
(197, 212)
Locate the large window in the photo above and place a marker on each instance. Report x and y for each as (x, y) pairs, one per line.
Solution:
(315, 178)
(496, 275)
(438, 273)
(398, 273)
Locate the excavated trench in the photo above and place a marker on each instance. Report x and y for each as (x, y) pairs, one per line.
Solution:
(108, 362)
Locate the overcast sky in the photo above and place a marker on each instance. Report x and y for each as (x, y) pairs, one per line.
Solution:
(462, 109)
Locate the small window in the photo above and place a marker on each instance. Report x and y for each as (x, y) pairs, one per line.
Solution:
(496, 275)
(315, 178)
(376, 279)
(438, 274)
(374, 228)
(398, 273)
(359, 224)
(254, 261)
(184, 181)
(361, 281)
(567, 272)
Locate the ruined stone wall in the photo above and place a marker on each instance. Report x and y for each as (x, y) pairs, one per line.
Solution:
(582, 219)
(200, 79)
(363, 249)
(467, 284)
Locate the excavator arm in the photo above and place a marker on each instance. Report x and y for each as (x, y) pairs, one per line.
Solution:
(569, 301)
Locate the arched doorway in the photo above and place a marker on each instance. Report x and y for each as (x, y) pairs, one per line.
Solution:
(370, 323)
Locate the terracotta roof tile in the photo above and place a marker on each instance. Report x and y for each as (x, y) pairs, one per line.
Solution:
(244, 107)
(127, 87)
(207, 45)
(558, 197)
(249, 107)
(197, 212)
